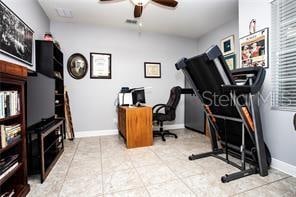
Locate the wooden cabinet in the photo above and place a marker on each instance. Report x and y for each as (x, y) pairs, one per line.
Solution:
(135, 125)
(14, 179)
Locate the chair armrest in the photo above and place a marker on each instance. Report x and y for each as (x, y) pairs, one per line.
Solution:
(159, 107)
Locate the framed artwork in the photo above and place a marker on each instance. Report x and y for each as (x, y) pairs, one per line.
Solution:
(227, 45)
(100, 65)
(152, 70)
(231, 61)
(254, 49)
(77, 66)
(16, 37)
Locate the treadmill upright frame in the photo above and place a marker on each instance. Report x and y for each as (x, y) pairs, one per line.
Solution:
(260, 165)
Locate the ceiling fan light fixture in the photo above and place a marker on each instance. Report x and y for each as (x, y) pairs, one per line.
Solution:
(140, 2)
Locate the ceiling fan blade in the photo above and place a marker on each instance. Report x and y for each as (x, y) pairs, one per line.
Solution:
(170, 3)
(138, 11)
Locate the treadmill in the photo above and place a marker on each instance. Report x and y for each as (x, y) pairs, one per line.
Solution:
(230, 100)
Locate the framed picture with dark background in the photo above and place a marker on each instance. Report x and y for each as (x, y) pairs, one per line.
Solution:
(152, 70)
(227, 45)
(16, 37)
(100, 65)
(231, 61)
(77, 66)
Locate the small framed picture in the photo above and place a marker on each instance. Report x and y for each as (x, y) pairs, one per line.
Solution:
(231, 61)
(77, 66)
(227, 45)
(254, 49)
(152, 70)
(100, 66)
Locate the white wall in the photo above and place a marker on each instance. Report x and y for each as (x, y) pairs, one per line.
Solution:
(215, 36)
(32, 14)
(92, 100)
(278, 128)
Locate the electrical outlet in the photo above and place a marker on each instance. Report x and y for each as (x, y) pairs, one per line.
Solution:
(115, 120)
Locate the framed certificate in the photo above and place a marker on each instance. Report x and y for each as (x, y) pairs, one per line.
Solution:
(152, 70)
(100, 66)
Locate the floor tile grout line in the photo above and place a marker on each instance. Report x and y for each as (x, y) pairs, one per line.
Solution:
(181, 179)
(269, 183)
(134, 168)
(138, 174)
(76, 147)
(124, 190)
(74, 151)
(176, 175)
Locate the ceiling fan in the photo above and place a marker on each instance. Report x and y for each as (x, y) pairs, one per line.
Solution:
(139, 5)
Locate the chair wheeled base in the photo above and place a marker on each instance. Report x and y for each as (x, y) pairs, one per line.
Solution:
(163, 133)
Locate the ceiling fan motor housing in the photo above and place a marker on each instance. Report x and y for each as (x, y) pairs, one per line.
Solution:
(140, 2)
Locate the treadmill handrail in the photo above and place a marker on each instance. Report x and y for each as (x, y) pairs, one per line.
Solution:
(259, 75)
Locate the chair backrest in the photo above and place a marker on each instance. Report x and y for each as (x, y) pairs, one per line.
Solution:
(173, 102)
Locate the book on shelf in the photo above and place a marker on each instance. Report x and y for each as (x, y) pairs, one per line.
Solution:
(9, 134)
(7, 162)
(14, 166)
(9, 103)
(8, 194)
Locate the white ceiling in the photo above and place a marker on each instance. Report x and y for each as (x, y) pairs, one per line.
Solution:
(191, 18)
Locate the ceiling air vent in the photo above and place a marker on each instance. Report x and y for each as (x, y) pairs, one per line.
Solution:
(130, 21)
(66, 13)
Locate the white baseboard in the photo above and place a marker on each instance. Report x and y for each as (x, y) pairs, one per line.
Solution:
(173, 126)
(284, 167)
(96, 133)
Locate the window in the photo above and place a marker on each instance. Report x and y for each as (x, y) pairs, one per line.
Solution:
(283, 54)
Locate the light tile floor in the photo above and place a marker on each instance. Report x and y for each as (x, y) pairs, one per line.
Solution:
(102, 166)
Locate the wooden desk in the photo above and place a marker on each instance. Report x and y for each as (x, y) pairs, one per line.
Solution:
(135, 125)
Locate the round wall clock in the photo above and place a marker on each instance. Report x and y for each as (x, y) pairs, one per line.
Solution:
(77, 66)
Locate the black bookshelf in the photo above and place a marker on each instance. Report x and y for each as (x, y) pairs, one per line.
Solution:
(49, 61)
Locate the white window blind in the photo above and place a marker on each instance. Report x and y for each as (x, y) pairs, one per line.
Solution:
(283, 54)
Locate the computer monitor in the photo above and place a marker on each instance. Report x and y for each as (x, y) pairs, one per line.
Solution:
(138, 96)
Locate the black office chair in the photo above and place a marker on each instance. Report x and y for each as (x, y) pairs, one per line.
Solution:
(169, 113)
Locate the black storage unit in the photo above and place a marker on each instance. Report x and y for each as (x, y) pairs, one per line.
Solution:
(48, 56)
(194, 114)
(49, 62)
(45, 146)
